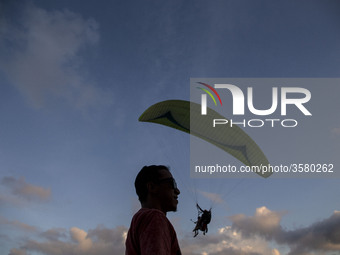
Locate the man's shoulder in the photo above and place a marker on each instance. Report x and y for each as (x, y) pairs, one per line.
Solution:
(150, 217)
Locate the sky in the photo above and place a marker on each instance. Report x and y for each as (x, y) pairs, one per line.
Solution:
(76, 75)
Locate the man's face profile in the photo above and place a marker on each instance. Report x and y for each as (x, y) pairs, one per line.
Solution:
(167, 191)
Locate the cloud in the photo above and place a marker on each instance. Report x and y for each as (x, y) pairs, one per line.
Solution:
(322, 236)
(105, 241)
(43, 60)
(216, 198)
(17, 224)
(336, 131)
(12, 200)
(255, 235)
(101, 241)
(264, 222)
(248, 235)
(15, 251)
(20, 188)
(54, 234)
(80, 236)
(226, 241)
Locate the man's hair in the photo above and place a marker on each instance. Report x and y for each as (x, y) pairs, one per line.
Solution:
(145, 175)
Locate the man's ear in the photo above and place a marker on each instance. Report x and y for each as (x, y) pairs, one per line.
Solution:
(152, 188)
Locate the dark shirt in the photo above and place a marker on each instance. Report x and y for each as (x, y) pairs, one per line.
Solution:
(151, 233)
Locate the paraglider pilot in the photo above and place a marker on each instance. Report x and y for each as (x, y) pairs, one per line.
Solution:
(203, 219)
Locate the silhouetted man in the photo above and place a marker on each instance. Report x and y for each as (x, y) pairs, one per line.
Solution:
(151, 233)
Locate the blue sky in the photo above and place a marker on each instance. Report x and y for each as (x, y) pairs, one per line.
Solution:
(76, 75)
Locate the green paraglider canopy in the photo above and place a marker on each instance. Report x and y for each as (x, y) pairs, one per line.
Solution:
(186, 116)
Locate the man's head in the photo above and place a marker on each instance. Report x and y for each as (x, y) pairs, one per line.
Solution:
(156, 188)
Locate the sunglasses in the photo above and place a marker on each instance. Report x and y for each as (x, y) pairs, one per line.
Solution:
(170, 180)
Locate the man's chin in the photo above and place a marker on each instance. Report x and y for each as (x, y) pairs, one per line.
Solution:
(173, 209)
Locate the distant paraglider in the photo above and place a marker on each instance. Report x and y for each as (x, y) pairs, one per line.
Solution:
(203, 219)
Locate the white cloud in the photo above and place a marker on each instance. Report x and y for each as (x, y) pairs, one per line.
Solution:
(43, 57)
(226, 241)
(84, 243)
(264, 222)
(275, 252)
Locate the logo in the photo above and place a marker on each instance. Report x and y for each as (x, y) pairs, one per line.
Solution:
(204, 97)
(294, 96)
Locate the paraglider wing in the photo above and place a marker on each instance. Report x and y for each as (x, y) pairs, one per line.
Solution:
(179, 114)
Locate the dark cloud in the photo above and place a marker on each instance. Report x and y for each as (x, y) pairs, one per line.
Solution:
(248, 235)
(17, 252)
(104, 241)
(19, 187)
(42, 56)
(100, 241)
(54, 234)
(322, 236)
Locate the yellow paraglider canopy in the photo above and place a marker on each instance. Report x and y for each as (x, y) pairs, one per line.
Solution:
(186, 116)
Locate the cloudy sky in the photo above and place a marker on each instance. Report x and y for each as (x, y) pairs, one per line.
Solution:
(76, 75)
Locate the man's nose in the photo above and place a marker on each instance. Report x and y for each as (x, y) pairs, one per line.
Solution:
(177, 191)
